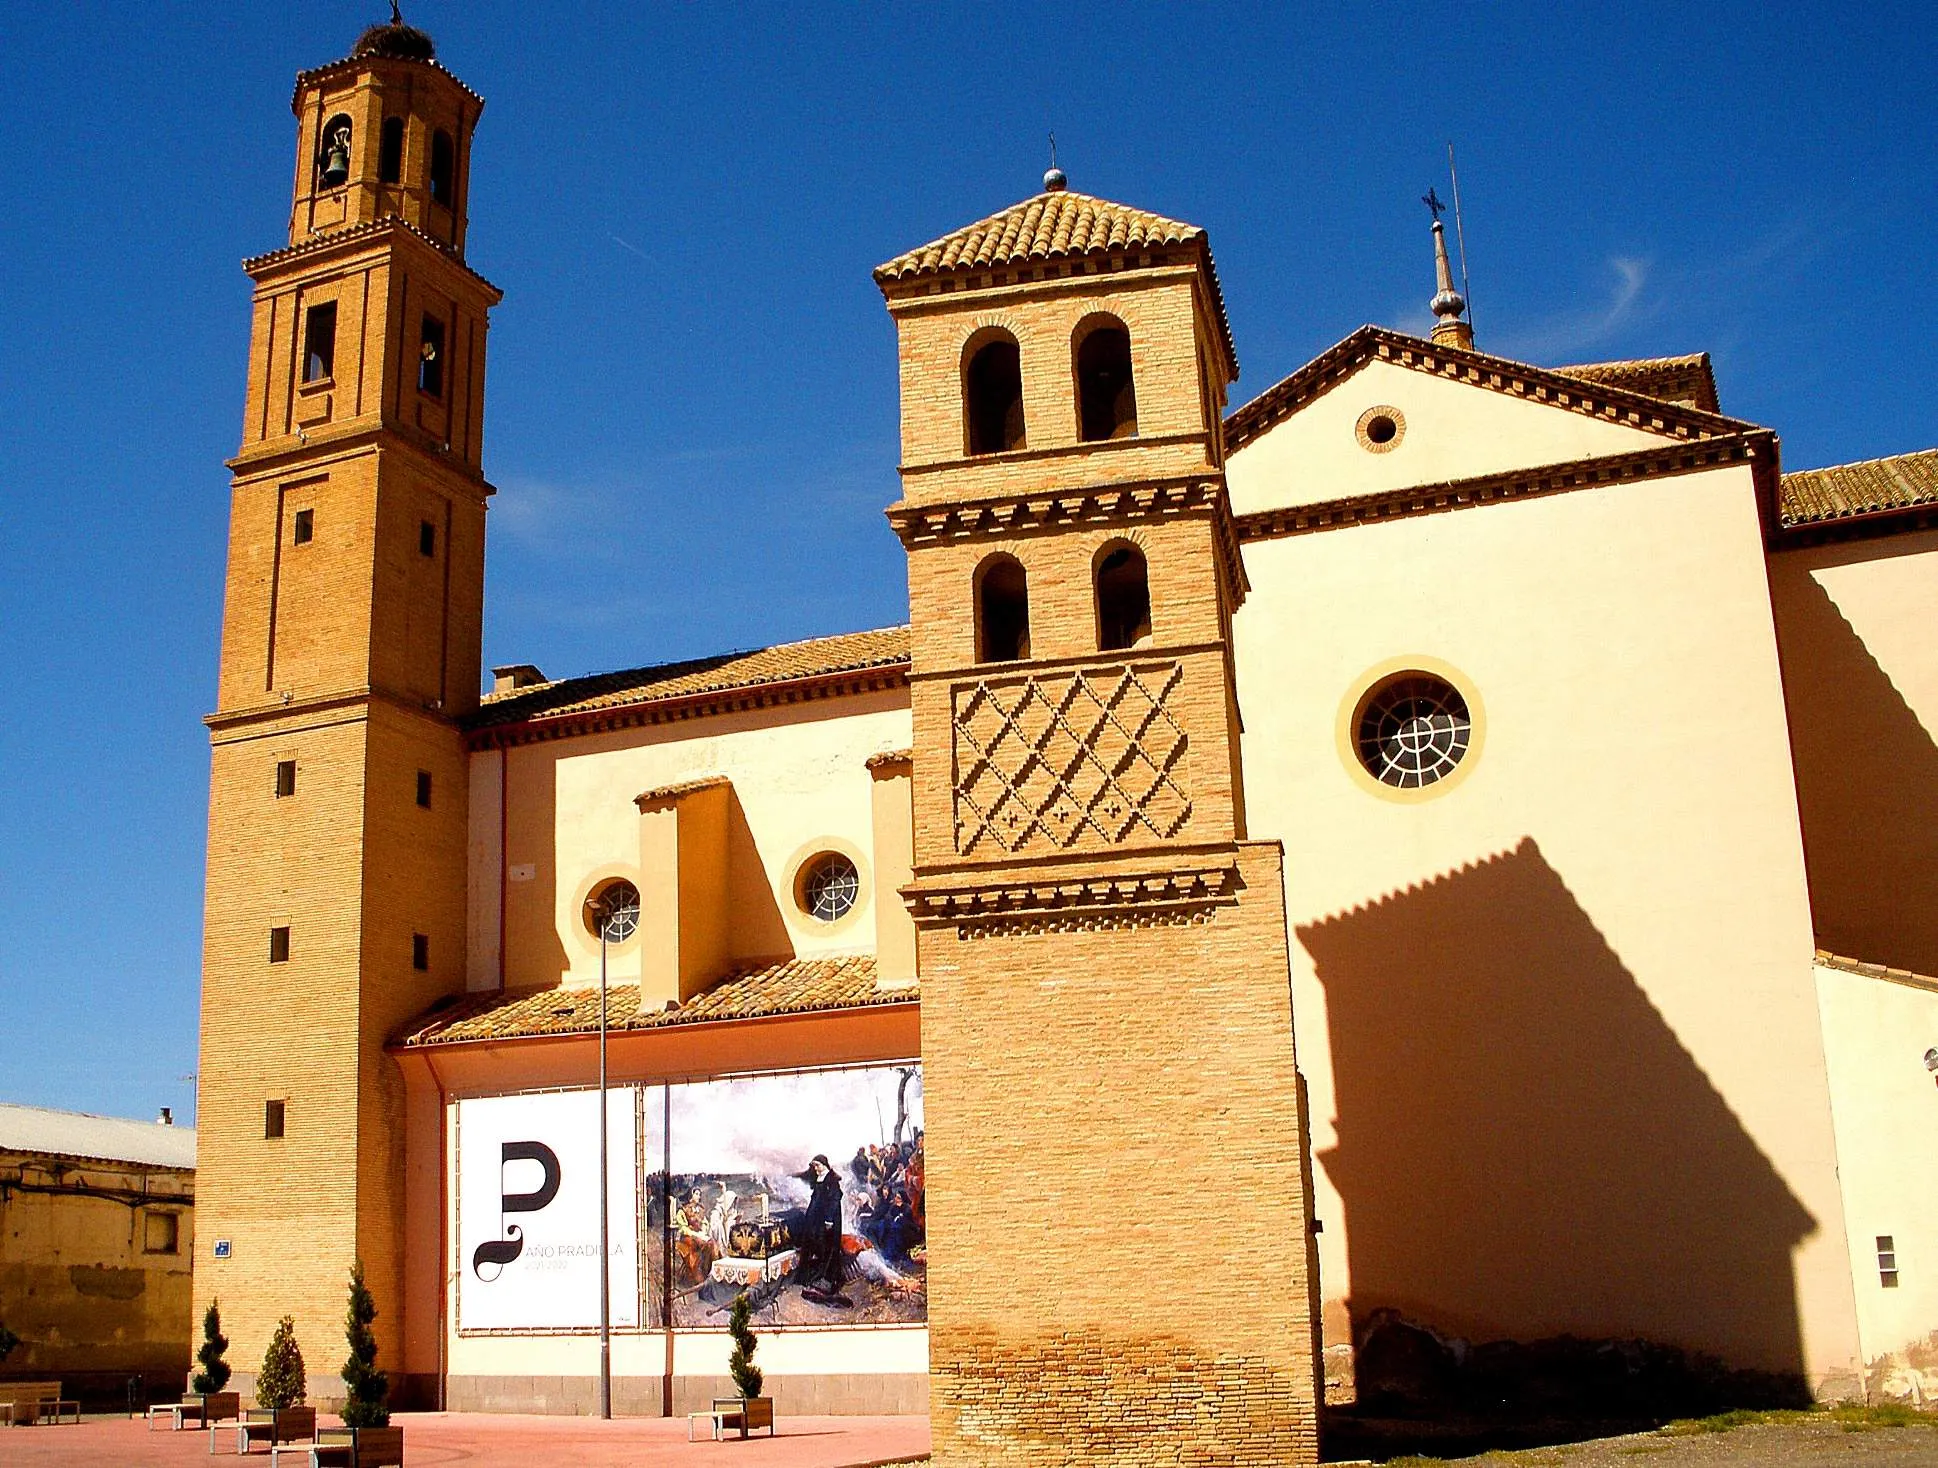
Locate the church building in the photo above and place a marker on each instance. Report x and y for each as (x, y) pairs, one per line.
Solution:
(1439, 839)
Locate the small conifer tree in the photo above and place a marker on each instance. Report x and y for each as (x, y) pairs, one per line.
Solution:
(214, 1374)
(746, 1375)
(368, 1387)
(281, 1382)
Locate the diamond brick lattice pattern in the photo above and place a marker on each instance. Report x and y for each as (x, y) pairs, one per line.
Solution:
(1058, 761)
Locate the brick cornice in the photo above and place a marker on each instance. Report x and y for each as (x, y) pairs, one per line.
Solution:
(879, 679)
(1498, 374)
(347, 705)
(1757, 449)
(373, 233)
(278, 458)
(1050, 511)
(1162, 888)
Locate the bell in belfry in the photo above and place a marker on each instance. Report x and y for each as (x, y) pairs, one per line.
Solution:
(336, 156)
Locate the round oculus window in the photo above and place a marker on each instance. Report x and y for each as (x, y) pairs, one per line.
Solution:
(613, 910)
(1413, 731)
(1380, 429)
(830, 887)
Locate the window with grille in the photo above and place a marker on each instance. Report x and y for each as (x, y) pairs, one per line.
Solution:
(1887, 1261)
(1413, 731)
(614, 910)
(830, 888)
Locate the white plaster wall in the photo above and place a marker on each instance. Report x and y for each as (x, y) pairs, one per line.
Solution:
(789, 1351)
(1885, 1105)
(1453, 431)
(1620, 644)
(802, 784)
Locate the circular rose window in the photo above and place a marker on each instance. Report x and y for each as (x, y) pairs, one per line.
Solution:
(614, 908)
(1413, 730)
(829, 887)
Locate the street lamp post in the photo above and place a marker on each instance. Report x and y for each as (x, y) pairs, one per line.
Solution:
(605, 1214)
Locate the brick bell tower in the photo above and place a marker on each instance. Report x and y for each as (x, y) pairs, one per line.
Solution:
(1121, 1265)
(350, 647)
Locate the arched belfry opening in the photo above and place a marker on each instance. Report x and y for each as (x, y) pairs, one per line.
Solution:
(390, 152)
(992, 393)
(444, 162)
(1123, 598)
(1106, 394)
(333, 152)
(1002, 610)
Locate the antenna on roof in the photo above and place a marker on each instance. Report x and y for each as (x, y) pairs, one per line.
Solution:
(1054, 181)
(1460, 235)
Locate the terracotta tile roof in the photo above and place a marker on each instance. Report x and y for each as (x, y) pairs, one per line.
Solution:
(679, 788)
(1875, 970)
(1689, 380)
(1612, 401)
(1872, 487)
(370, 229)
(1051, 226)
(796, 986)
(764, 666)
(1057, 226)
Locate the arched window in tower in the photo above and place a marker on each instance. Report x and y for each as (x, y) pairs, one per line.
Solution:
(390, 152)
(1106, 396)
(992, 391)
(1123, 598)
(333, 152)
(1002, 610)
(444, 163)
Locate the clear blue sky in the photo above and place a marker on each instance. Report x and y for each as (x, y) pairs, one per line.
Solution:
(692, 410)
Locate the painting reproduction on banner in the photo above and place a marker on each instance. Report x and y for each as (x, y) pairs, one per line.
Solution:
(803, 1191)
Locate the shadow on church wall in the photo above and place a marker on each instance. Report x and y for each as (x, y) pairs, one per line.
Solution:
(757, 931)
(1867, 782)
(1525, 1150)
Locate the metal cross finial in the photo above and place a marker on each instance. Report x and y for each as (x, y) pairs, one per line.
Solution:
(1431, 199)
(1053, 150)
(396, 15)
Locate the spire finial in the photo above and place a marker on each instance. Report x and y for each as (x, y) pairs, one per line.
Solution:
(1054, 181)
(1447, 304)
(396, 15)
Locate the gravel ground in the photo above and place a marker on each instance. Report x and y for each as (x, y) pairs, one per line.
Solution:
(1790, 1445)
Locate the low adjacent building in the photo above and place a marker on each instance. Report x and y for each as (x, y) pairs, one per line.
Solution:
(97, 1235)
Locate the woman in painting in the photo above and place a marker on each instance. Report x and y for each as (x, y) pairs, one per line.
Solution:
(822, 1256)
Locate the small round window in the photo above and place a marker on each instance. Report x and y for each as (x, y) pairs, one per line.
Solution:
(829, 888)
(1413, 731)
(1380, 429)
(614, 910)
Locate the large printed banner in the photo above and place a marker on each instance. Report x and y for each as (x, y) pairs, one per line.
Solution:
(803, 1191)
(528, 1210)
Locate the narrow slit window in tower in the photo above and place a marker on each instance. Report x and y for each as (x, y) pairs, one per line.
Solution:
(1002, 611)
(430, 359)
(426, 538)
(420, 951)
(993, 388)
(1106, 396)
(319, 342)
(390, 152)
(279, 945)
(424, 788)
(273, 1117)
(285, 778)
(1123, 599)
(444, 159)
(303, 531)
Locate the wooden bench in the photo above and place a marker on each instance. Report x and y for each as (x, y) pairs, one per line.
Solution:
(271, 1425)
(744, 1413)
(23, 1403)
(202, 1410)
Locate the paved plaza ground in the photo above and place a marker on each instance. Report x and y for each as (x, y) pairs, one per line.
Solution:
(482, 1441)
(861, 1442)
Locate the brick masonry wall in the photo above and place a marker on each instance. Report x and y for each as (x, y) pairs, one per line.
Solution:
(1119, 1267)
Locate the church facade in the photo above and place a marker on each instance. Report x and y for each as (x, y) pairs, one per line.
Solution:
(1443, 841)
